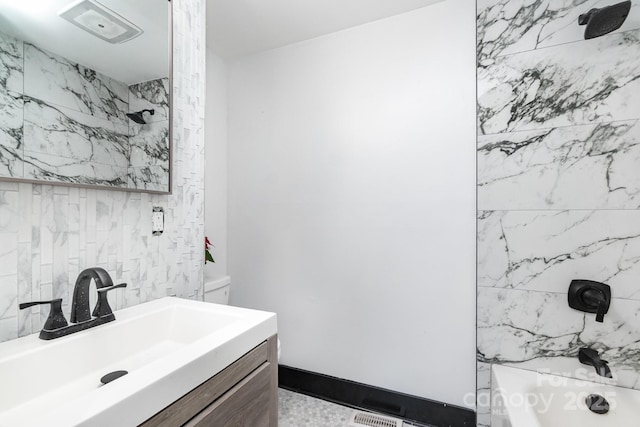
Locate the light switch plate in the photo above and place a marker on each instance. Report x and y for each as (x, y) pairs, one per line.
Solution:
(157, 221)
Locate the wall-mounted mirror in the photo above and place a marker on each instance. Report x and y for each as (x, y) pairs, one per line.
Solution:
(85, 93)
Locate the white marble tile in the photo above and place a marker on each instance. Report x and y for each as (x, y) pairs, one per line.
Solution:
(60, 268)
(483, 394)
(44, 167)
(9, 295)
(11, 118)
(11, 164)
(149, 156)
(25, 207)
(9, 210)
(56, 80)
(577, 167)
(510, 26)
(24, 287)
(76, 115)
(9, 186)
(154, 178)
(570, 84)
(515, 326)
(520, 326)
(46, 276)
(149, 144)
(34, 220)
(63, 132)
(151, 95)
(545, 250)
(11, 64)
(8, 254)
(104, 210)
(60, 190)
(11, 134)
(38, 318)
(25, 326)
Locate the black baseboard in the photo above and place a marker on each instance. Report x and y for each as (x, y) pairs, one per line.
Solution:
(357, 395)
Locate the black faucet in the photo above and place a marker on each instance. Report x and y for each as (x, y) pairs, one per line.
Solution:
(80, 303)
(591, 357)
(56, 325)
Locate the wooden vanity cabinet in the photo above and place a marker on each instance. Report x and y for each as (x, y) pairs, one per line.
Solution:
(245, 394)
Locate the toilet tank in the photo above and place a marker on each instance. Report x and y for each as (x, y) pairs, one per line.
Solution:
(217, 290)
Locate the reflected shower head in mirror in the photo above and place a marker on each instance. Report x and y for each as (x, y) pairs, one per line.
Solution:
(138, 117)
(604, 20)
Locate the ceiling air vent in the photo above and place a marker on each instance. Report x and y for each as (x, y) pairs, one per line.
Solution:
(366, 419)
(99, 20)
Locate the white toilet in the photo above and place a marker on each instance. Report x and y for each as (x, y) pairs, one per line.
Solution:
(217, 290)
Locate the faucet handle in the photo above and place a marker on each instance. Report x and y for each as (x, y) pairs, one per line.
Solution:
(590, 297)
(102, 307)
(56, 319)
(601, 311)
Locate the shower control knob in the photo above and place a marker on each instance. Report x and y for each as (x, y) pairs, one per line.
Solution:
(590, 297)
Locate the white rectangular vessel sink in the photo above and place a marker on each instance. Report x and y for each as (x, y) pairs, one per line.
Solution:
(168, 346)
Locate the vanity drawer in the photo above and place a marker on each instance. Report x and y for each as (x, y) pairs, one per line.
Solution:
(232, 389)
(246, 404)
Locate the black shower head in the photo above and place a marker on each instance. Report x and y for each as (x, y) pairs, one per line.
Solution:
(604, 20)
(138, 117)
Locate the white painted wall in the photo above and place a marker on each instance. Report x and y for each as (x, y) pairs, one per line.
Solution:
(352, 199)
(216, 165)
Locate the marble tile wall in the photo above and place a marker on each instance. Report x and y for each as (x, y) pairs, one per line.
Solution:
(75, 123)
(65, 122)
(149, 143)
(11, 119)
(58, 81)
(48, 234)
(558, 192)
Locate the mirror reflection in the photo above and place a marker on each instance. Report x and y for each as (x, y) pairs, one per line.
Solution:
(84, 92)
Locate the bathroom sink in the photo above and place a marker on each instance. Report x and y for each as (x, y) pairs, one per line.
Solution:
(522, 398)
(168, 346)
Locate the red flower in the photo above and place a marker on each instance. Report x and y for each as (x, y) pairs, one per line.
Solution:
(207, 254)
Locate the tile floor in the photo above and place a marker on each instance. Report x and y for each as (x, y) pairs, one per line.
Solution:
(299, 410)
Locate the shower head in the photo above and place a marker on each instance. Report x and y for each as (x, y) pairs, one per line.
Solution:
(138, 117)
(604, 20)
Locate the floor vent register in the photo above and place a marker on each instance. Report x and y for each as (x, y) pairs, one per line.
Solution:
(367, 419)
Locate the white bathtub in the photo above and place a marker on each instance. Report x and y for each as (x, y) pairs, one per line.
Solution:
(522, 398)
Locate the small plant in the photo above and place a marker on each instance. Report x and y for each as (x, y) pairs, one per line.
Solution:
(207, 253)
